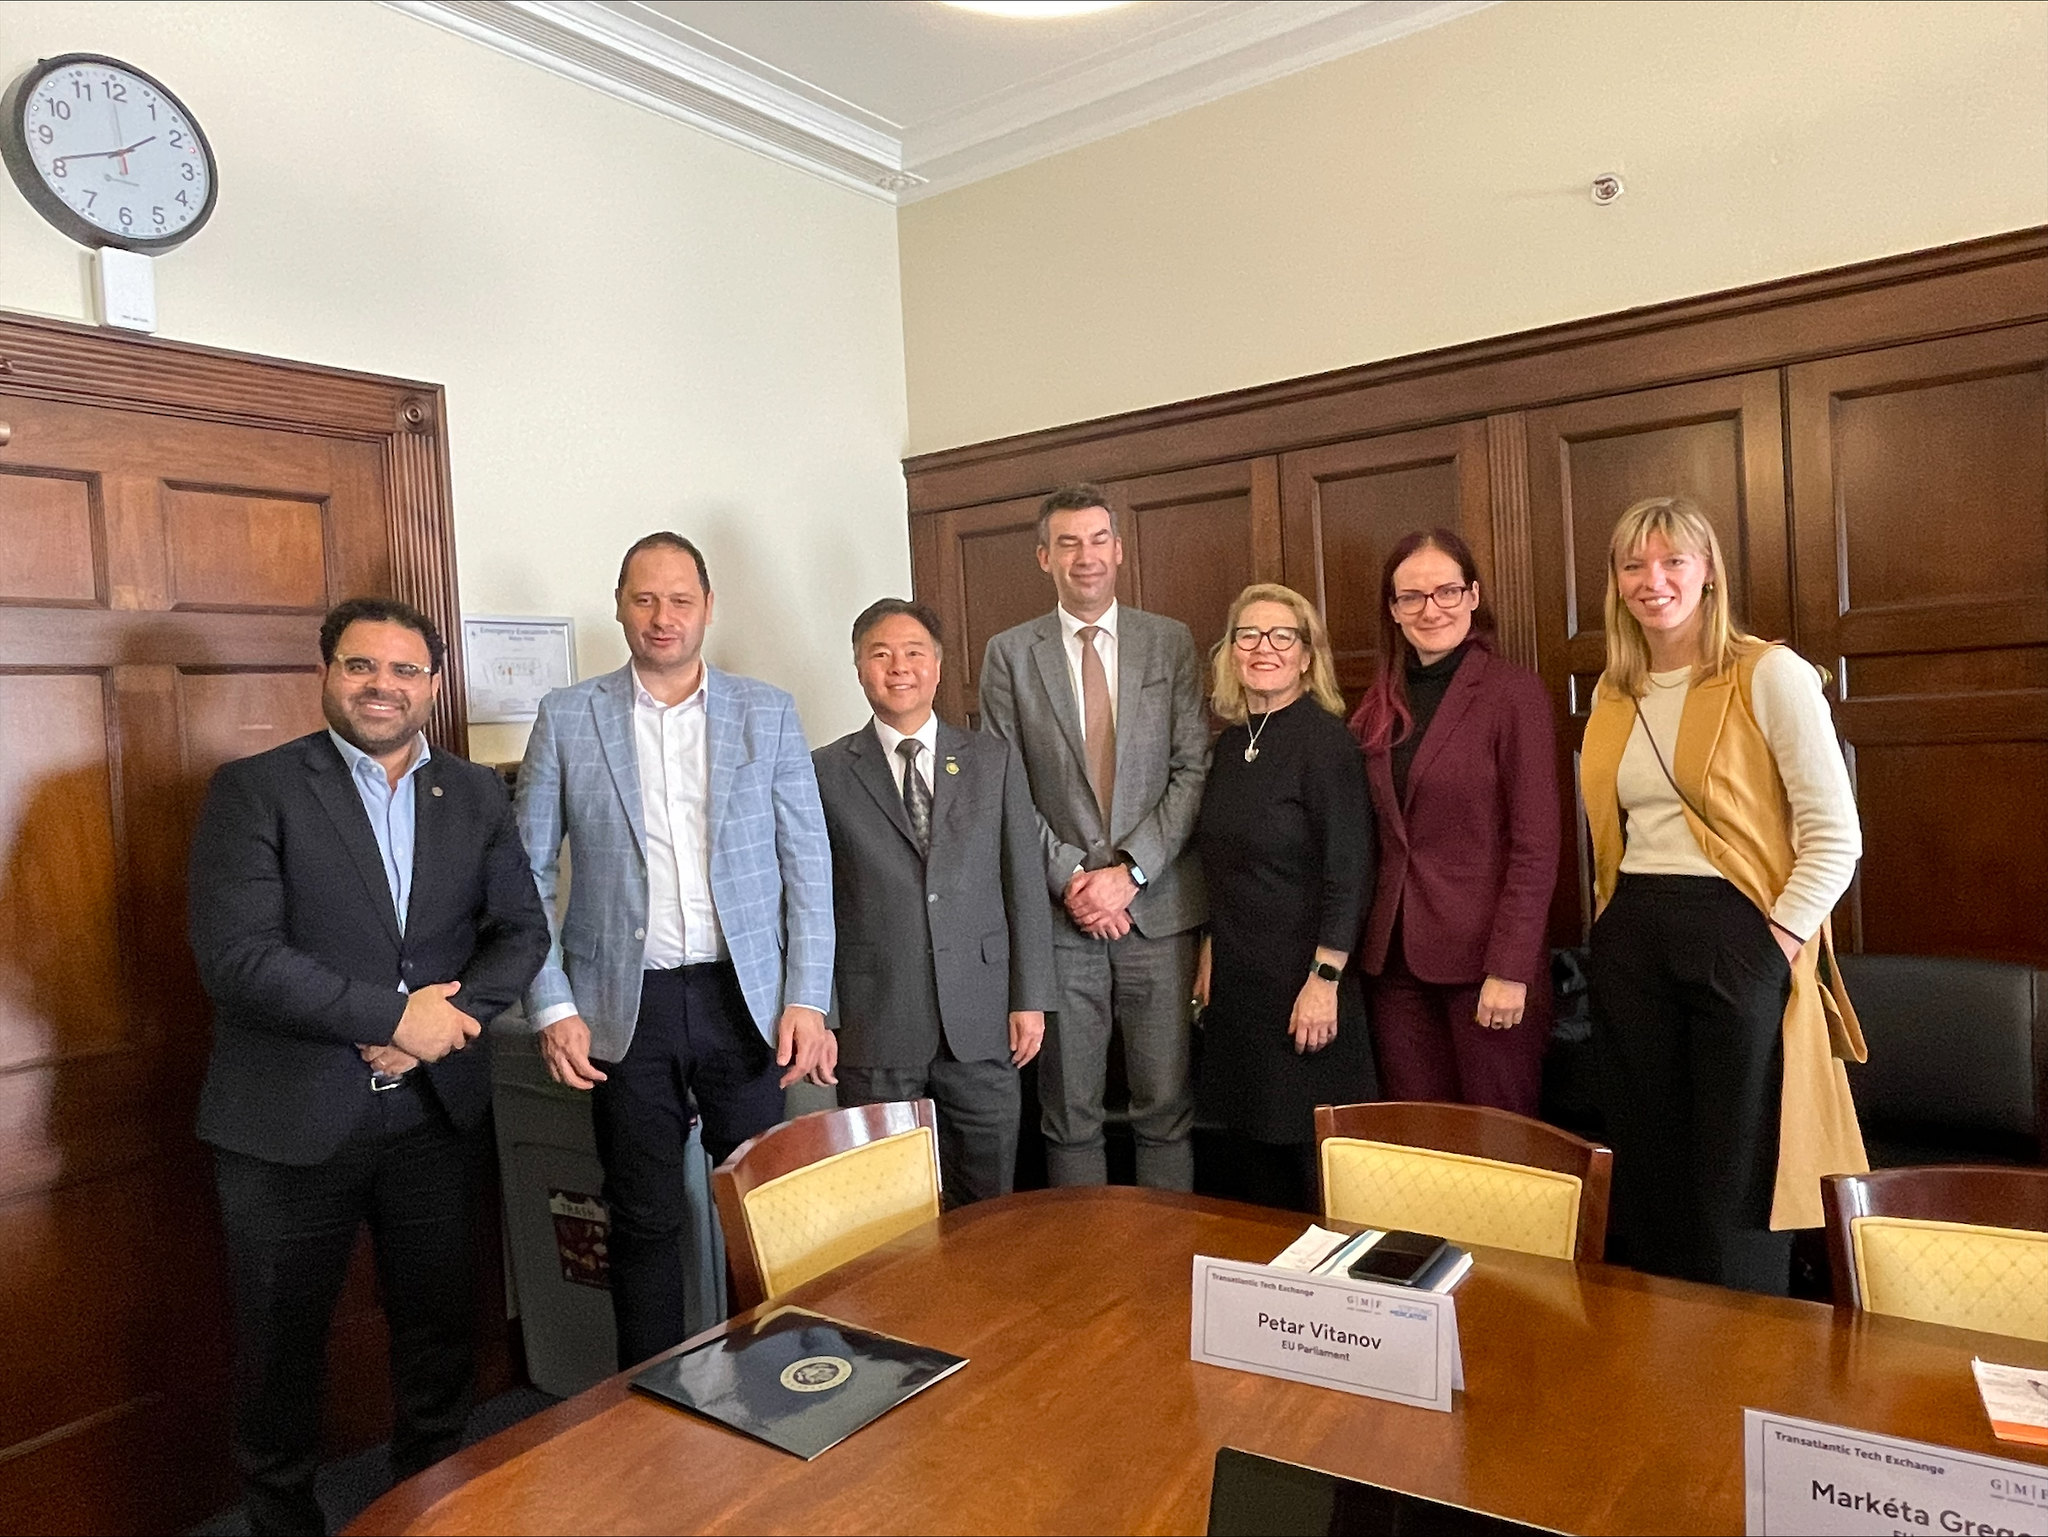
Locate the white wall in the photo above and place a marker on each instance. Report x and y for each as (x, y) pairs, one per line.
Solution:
(1434, 190)
(639, 326)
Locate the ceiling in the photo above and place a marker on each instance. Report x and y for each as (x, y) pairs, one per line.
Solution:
(904, 98)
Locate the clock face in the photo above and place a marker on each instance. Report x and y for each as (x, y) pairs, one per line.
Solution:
(107, 154)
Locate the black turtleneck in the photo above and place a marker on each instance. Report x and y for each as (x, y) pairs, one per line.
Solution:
(1426, 689)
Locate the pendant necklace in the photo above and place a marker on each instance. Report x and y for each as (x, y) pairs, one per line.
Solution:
(1251, 750)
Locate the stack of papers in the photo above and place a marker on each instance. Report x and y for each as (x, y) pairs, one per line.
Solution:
(1322, 1252)
(2016, 1400)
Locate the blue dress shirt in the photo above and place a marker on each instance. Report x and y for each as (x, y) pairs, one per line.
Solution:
(391, 813)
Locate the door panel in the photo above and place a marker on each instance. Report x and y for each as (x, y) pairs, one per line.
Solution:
(1920, 497)
(983, 577)
(1195, 539)
(1722, 444)
(49, 534)
(1347, 504)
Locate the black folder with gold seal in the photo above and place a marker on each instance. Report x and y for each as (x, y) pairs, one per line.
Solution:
(797, 1379)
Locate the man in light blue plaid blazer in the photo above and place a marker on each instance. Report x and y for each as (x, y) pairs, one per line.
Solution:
(695, 957)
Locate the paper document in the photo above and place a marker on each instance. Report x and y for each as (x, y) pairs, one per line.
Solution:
(2016, 1399)
(1308, 1252)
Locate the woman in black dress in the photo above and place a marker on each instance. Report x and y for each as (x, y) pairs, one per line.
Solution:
(1286, 843)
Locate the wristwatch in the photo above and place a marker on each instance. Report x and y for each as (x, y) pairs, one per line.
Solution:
(1326, 971)
(1137, 875)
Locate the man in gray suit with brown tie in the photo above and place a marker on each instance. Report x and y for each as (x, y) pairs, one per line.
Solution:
(944, 956)
(1105, 704)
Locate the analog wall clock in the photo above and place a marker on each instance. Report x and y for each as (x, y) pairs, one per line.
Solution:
(107, 154)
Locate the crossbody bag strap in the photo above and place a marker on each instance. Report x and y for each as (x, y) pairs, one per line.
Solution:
(1670, 779)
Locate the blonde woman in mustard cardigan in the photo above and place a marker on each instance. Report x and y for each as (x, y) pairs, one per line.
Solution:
(1724, 831)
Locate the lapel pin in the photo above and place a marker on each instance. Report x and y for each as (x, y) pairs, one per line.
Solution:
(437, 789)
(952, 767)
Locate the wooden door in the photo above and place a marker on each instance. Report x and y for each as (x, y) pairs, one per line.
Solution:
(162, 579)
(1920, 497)
(1345, 505)
(1195, 539)
(1722, 444)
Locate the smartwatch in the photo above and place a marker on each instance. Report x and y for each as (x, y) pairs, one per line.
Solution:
(1137, 875)
(1326, 971)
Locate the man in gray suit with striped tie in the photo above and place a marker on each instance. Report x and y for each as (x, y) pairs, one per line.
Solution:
(1104, 703)
(696, 953)
(945, 944)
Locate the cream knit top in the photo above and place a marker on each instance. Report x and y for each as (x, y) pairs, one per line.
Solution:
(1792, 712)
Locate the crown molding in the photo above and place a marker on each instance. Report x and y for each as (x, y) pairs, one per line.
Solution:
(1169, 71)
(655, 65)
(596, 46)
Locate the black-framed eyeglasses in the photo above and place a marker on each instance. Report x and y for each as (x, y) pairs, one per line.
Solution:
(1448, 596)
(1284, 637)
(362, 668)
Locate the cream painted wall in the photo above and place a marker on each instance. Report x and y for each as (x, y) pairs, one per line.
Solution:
(639, 326)
(1434, 190)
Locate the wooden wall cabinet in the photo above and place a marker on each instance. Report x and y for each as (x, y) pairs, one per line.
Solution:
(1870, 443)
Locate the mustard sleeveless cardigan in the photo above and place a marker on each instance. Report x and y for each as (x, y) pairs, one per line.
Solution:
(1726, 769)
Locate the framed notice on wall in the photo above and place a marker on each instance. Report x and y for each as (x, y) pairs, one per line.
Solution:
(510, 662)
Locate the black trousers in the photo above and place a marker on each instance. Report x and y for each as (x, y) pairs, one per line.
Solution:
(290, 1229)
(694, 1036)
(1277, 1174)
(1688, 993)
(979, 1105)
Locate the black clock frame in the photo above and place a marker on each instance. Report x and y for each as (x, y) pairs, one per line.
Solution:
(21, 164)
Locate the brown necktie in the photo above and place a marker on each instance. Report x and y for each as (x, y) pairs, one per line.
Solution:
(1098, 724)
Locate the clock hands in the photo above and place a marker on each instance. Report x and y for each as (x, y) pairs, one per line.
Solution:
(106, 154)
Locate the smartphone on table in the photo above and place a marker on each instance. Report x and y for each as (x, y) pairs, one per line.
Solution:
(1398, 1258)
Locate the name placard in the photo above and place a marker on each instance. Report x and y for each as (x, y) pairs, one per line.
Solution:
(1806, 1477)
(1361, 1336)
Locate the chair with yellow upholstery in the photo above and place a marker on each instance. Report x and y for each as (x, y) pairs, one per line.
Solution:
(1467, 1173)
(809, 1195)
(1959, 1244)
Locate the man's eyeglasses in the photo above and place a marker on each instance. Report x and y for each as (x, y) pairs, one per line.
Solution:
(1448, 596)
(363, 668)
(1285, 637)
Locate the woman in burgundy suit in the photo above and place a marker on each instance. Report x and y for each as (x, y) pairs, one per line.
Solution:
(1461, 762)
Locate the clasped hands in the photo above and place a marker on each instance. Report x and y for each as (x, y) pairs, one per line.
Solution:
(428, 1030)
(1099, 901)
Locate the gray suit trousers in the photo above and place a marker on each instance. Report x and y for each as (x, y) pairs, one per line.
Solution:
(1141, 985)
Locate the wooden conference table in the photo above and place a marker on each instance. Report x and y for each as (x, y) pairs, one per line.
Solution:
(1598, 1400)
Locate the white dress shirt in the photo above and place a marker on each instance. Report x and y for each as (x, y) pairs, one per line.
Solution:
(927, 736)
(673, 746)
(1105, 647)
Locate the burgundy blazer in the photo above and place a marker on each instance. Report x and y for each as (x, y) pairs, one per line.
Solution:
(1468, 859)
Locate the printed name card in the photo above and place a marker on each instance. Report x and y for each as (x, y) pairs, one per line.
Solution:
(1361, 1336)
(1804, 1477)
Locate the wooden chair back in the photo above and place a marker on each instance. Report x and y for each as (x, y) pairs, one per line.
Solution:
(1476, 1175)
(1958, 1244)
(809, 1195)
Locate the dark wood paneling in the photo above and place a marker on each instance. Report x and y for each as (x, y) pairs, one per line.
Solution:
(1344, 506)
(1920, 495)
(1194, 540)
(1915, 436)
(1977, 285)
(983, 577)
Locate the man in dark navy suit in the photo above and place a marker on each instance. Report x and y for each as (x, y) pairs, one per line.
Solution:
(360, 908)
